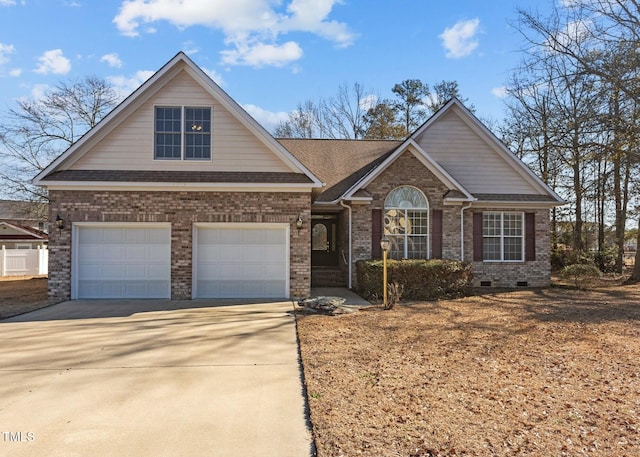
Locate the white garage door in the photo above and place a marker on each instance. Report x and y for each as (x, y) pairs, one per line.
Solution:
(122, 261)
(241, 261)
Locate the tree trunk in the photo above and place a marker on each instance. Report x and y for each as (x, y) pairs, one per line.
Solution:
(635, 275)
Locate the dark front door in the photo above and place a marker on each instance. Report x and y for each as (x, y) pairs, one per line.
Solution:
(324, 250)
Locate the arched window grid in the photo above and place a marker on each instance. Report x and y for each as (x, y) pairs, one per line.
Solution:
(406, 223)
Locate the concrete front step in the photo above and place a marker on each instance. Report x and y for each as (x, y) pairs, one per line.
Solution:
(327, 277)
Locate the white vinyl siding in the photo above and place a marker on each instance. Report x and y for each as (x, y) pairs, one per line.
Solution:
(241, 261)
(470, 159)
(121, 261)
(129, 146)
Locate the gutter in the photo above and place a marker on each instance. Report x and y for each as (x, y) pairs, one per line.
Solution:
(344, 205)
(462, 230)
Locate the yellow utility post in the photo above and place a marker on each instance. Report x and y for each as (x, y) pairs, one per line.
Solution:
(384, 244)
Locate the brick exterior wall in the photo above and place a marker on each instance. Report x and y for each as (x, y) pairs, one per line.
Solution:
(182, 210)
(507, 274)
(408, 170)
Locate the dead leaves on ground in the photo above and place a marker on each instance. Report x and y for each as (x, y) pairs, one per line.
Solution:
(547, 372)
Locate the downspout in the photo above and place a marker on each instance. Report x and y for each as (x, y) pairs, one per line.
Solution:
(462, 231)
(350, 253)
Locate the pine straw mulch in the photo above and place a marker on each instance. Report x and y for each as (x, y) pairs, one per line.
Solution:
(530, 372)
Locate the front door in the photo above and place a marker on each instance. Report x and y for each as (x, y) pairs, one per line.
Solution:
(324, 250)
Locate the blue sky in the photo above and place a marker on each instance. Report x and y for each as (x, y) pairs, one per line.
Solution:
(267, 54)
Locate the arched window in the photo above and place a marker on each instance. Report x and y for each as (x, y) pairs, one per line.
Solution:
(406, 223)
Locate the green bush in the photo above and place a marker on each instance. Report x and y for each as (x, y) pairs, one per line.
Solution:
(420, 279)
(581, 274)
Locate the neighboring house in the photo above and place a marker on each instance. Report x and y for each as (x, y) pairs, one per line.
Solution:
(24, 213)
(179, 193)
(14, 236)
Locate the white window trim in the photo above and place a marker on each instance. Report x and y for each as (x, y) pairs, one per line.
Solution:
(406, 235)
(182, 133)
(502, 237)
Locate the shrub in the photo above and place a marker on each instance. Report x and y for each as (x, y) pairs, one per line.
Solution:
(420, 279)
(581, 274)
(605, 260)
(394, 294)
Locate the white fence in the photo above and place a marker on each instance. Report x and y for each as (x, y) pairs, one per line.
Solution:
(24, 262)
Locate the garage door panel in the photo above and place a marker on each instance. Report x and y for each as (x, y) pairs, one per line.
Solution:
(123, 262)
(239, 262)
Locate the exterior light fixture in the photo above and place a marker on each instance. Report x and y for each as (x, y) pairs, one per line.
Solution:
(299, 222)
(59, 223)
(385, 244)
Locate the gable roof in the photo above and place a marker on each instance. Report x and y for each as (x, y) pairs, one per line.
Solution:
(339, 163)
(543, 192)
(21, 233)
(180, 61)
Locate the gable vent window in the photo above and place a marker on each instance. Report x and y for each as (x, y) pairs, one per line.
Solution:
(182, 133)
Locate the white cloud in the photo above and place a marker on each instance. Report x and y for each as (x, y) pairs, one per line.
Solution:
(53, 61)
(7, 2)
(500, 92)
(39, 91)
(126, 85)
(112, 60)
(251, 27)
(15, 72)
(268, 119)
(5, 51)
(368, 102)
(217, 77)
(460, 39)
(262, 54)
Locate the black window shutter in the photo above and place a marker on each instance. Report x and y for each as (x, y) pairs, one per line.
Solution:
(477, 237)
(530, 236)
(436, 236)
(376, 233)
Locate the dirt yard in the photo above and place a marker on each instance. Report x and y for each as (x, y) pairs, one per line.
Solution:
(526, 373)
(21, 295)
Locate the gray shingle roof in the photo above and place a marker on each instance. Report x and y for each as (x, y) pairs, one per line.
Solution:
(178, 176)
(339, 163)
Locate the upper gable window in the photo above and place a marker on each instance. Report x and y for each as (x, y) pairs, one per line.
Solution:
(182, 133)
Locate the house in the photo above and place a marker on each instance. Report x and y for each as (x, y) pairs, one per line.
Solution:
(14, 236)
(25, 213)
(179, 193)
(23, 225)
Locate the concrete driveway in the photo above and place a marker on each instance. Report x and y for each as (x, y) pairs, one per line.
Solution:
(152, 378)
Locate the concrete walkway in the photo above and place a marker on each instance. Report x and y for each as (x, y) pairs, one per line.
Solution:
(152, 378)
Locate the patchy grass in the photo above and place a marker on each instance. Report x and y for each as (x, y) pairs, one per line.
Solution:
(528, 372)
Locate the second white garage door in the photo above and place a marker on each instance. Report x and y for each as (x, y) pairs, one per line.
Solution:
(241, 261)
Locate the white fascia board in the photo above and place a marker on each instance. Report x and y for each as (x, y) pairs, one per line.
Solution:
(186, 186)
(515, 204)
(144, 92)
(110, 119)
(424, 158)
(19, 229)
(249, 122)
(520, 167)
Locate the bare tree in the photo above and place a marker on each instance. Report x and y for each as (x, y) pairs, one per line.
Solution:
(36, 131)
